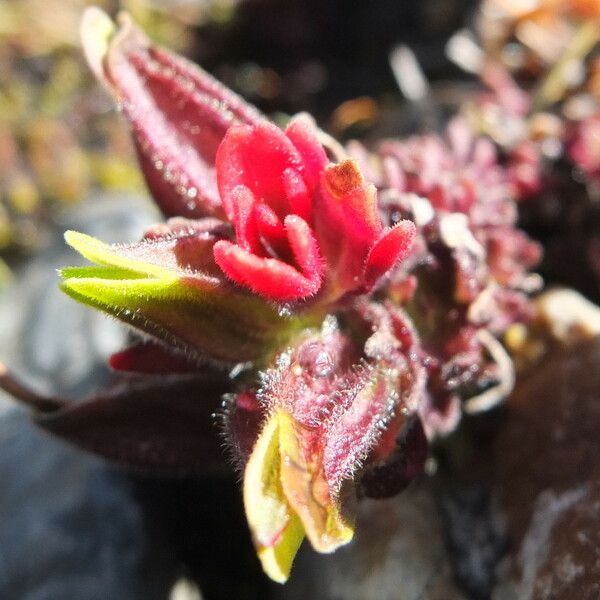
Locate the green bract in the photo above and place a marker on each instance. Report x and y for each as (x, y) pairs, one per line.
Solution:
(201, 315)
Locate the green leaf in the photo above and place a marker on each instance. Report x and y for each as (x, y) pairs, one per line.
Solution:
(98, 273)
(276, 528)
(128, 258)
(144, 286)
(199, 318)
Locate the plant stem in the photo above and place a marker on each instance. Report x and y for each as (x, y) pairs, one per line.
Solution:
(19, 391)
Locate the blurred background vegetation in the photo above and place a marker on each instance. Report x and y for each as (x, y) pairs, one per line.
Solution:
(59, 134)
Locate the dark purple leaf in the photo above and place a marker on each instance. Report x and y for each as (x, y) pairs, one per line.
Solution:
(165, 425)
(388, 478)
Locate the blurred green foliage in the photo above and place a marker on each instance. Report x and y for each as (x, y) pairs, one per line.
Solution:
(59, 135)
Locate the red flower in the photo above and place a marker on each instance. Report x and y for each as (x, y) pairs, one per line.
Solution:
(302, 225)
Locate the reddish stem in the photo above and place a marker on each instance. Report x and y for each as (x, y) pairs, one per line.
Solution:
(21, 392)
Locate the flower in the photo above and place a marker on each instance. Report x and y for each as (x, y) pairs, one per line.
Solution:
(300, 222)
(344, 320)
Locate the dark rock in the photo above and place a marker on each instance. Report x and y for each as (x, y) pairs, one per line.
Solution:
(474, 528)
(70, 526)
(571, 568)
(475, 536)
(550, 439)
(548, 479)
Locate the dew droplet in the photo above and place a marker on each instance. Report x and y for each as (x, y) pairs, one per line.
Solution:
(284, 311)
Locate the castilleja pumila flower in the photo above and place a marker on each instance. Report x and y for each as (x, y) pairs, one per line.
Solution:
(301, 223)
(292, 287)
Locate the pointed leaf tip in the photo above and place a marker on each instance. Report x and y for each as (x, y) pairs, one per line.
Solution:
(286, 497)
(113, 256)
(177, 141)
(96, 31)
(277, 561)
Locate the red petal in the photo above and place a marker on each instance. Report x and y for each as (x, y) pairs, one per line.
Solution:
(269, 277)
(244, 219)
(304, 246)
(388, 250)
(270, 228)
(351, 200)
(257, 158)
(297, 194)
(303, 135)
(347, 223)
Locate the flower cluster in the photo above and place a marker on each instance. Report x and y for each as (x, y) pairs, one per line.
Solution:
(469, 270)
(301, 224)
(345, 309)
(541, 65)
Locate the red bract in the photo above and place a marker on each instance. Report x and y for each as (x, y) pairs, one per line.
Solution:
(300, 222)
(178, 113)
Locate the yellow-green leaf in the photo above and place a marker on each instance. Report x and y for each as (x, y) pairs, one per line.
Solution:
(150, 287)
(276, 529)
(198, 317)
(304, 483)
(114, 256)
